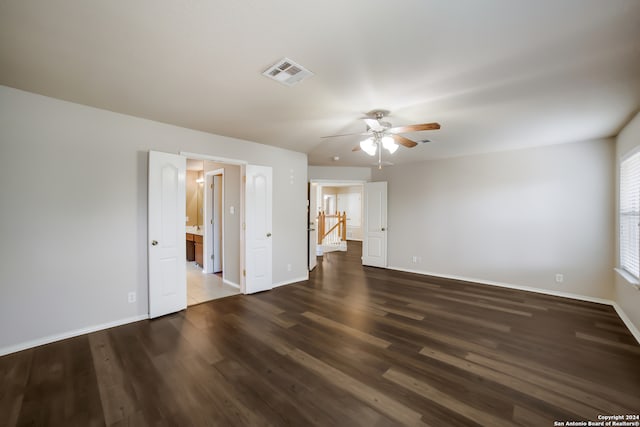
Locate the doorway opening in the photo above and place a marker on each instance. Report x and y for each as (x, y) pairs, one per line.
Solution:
(212, 205)
(247, 209)
(335, 216)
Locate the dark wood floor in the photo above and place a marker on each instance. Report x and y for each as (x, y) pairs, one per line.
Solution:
(352, 346)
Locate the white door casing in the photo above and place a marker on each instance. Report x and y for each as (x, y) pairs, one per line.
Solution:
(167, 243)
(374, 244)
(258, 229)
(313, 225)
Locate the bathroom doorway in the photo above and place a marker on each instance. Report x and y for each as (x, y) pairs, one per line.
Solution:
(211, 202)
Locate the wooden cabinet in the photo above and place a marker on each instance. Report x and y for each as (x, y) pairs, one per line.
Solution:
(197, 241)
(194, 248)
(191, 249)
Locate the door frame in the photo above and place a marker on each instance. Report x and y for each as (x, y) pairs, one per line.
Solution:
(312, 226)
(209, 214)
(242, 164)
(334, 182)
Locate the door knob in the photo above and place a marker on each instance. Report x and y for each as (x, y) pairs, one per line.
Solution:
(383, 229)
(268, 234)
(154, 242)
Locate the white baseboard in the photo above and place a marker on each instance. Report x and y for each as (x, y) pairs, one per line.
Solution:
(291, 281)
(58, 337)
(230, 283)
(632, 328)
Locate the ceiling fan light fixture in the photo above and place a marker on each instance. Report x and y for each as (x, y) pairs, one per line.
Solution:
(368, 146)
(389, 144)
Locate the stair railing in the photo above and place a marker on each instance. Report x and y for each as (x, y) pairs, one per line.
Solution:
(332, 229)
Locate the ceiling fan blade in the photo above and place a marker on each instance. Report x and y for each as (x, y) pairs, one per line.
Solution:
(374, 125)
(356, 148)
(345, 134)
(404, 141)
(415, 128)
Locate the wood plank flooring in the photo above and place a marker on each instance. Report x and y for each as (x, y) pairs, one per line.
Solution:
(352, 346)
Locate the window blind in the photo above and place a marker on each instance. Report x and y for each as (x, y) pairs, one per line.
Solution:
(630, 214)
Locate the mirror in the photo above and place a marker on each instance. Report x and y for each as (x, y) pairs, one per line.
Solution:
(195, 193)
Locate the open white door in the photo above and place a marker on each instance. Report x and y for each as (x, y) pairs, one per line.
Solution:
(213, 221)
(313, 215)
(167, 244)
(217, 222)
(374, 243)
(258, 243)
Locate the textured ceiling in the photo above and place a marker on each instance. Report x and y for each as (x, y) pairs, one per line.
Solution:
(496, 74)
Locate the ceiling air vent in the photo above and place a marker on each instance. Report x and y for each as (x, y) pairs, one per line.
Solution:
(287, 72)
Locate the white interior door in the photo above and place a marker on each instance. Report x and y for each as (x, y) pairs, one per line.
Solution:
(217, 222)
(258, 223)
(214, 221)
(207, 237)
(167, 243)
(313, 226)
(374, 243)
(330, 204)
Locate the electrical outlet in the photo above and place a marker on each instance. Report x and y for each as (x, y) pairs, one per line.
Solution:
(559, 278)
(288, 267)
(131, 297)
(415, 259)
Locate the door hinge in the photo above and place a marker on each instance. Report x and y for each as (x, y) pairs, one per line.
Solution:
(211, 186)
(211, 221)
(244, 179)
(212, 256)
(244, 273)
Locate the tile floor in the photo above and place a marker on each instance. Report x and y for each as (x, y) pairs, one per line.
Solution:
(203, 287)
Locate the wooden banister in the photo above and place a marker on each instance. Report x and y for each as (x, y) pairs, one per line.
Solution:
(340, 225)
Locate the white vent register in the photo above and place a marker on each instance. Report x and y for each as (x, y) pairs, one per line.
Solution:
(287, 72)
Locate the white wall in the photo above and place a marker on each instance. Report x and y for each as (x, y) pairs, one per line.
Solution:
(515, 217)
(339, 173)
(73, 239)
(625, 295)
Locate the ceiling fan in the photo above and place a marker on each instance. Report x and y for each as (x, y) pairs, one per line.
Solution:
(381, 135)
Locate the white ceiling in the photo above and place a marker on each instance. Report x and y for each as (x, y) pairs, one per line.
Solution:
(496, 74)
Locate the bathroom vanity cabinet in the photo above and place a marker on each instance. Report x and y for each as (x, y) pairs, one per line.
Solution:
(197, 240)
(194, 248)
(191, 249)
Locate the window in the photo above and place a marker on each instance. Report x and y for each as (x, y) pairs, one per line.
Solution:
(630, 214)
